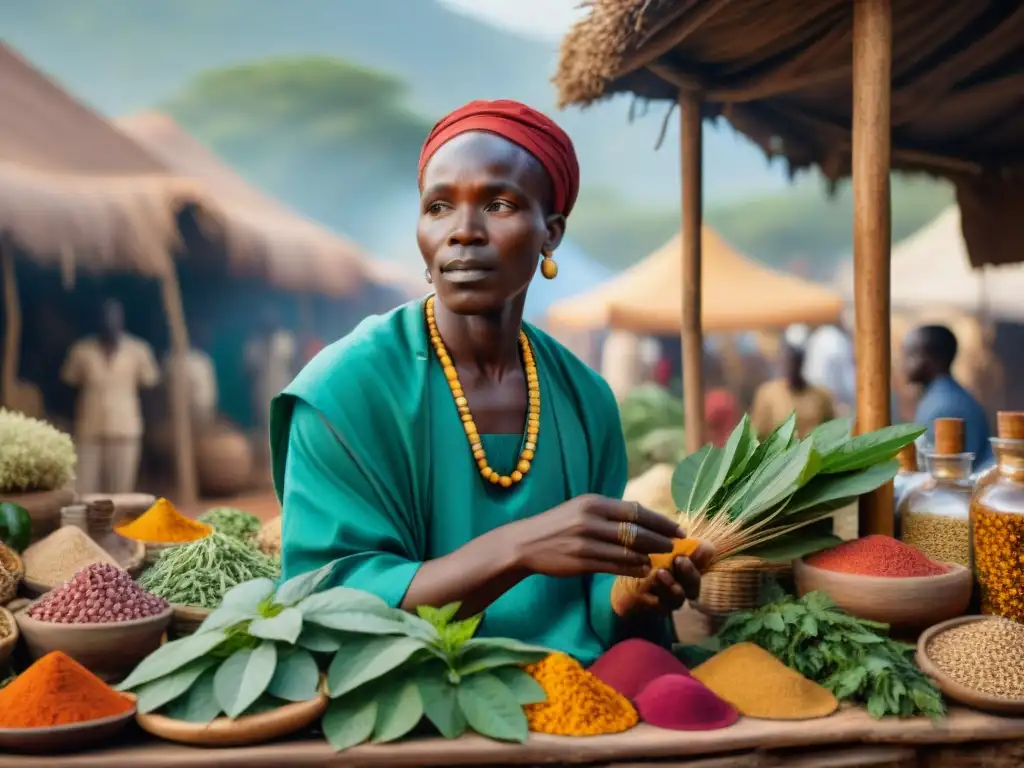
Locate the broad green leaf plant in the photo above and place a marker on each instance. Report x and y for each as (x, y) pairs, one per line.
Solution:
(385, 671)
(763, 498)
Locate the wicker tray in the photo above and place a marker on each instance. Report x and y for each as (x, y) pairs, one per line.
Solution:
(738, 583)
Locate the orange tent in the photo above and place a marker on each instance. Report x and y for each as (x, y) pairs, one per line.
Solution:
(738, 294)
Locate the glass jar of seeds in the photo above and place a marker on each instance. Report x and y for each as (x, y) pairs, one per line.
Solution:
(997, 524)
(935, 514)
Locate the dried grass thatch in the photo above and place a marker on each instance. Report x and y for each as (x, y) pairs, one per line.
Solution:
(262, 234)
(781, 72)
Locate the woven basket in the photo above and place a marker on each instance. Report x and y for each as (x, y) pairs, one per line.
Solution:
(11, 562)
(7, 644)
(738, 583)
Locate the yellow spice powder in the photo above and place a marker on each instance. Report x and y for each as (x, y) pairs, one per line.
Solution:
(759, 685)
(578, 704)
(163, 524)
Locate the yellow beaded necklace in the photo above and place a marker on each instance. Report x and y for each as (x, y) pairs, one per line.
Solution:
(475, 444)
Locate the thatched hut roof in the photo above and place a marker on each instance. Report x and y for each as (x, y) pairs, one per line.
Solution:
(780, 72)
(294, 252)
(74, 188)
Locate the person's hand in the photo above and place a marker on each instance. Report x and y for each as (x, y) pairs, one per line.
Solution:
(590, 534)
(664, 590)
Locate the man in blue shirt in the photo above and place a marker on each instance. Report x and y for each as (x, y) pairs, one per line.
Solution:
(928, 354)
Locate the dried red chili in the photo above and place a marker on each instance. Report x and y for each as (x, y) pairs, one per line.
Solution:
(877, 556)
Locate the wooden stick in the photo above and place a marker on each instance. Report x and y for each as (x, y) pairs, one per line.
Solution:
(692, 337)
(872, 84)
(181, 419)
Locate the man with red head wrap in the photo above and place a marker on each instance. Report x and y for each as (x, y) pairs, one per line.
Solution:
(449, 452)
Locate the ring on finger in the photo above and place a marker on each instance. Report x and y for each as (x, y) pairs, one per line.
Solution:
(634, 514)
(627, 534)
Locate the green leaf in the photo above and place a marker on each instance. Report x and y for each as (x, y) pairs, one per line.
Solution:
(302, 586)
(349, 721)
(438, 617)
(399, 710)
(796, 544)
(491, 709)
(340, 599)
(745, 451)
(775, 443)
(243, 677)
(778, 480)
(319, 639)
(707, 483)
(475, 660)
(456, 634)
(296, 676)
(773, 621)
(157, 693)
(249, 594)
(361, 659)
(359, 622)
(831, 436)
(440, 701)
(523, 687)
(171, 656)
(872, 448)
(285, 626)
(685, 475)
(827, 488)
(199, 704)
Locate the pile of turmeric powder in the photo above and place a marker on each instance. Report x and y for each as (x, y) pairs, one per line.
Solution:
(578, 704)
(163, 524)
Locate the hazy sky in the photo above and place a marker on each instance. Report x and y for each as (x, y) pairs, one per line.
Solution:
(537, 18)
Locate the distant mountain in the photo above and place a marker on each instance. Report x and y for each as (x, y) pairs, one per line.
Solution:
(125, 55)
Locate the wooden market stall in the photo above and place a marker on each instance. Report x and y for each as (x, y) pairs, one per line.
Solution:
(853, 87)
(737, 294)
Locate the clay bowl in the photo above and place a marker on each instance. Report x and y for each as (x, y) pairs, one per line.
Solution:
(186, 620)
(8, 643)
(110, 651)
(66, 738)
(950, 687)
(904, 604)
(225, 732)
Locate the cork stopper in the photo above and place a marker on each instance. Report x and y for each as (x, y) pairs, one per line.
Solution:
(1010, 425)
(908, 458)
(949, 437)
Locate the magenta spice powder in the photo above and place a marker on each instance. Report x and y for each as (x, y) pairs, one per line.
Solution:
(680, 703)
(630, 665)
(97, 594)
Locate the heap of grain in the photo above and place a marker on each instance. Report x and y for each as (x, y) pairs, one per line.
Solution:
(58, 557)
(985, 656)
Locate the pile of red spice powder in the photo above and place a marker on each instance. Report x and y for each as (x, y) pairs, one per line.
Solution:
(629, 666)
(877, 556)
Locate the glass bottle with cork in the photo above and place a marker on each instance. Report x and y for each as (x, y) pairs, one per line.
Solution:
(997, 523)
(935, 515)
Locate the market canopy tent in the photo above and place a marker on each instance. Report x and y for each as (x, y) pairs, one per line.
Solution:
(577, 273)
(298, 254)
(738, 294)
(932, 271)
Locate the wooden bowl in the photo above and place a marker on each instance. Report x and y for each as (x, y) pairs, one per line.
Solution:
(911, 603)
(110, 651)
(225, 732)
(186, 620)
(66, 738)
(8, 643)
(950, 687)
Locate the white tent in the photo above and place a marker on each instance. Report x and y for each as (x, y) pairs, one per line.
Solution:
(931, 271)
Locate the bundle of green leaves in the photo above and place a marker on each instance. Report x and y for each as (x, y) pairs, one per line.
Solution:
(765, 498)
(384, 670)
(854, 658)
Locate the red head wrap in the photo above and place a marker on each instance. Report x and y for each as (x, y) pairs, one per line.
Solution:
(533, 131)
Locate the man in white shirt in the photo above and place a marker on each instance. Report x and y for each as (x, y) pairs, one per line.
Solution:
(270, 358)
(108, 371)
(829, 364)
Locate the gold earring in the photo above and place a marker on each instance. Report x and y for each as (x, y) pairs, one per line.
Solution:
(548, 266)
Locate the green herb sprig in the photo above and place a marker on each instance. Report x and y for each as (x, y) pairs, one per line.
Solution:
(384, 670)
(854, 658)
(236, 523)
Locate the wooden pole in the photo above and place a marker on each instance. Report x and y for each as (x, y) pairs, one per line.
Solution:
(692, 337)
(872, 84)
(181, 419)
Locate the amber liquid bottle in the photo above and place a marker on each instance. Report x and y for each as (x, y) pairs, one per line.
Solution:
(935, 514)
(997, 523)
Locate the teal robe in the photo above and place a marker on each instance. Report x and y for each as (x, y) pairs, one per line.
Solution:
(389, 482)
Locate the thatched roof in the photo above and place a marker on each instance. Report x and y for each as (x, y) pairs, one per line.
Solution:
(74, 188)
(261, 233)
(780, 72)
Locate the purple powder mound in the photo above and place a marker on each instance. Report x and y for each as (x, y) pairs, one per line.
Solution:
(630, 665)
(680, 703)
(97, 594)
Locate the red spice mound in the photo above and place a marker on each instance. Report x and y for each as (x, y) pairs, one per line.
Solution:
(680, 703)
(877, 556)
(630, 665)
(98, 594)
(57, 690)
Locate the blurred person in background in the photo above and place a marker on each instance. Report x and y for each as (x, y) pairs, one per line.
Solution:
(200, 378)
(928, 355)
(109, 370)
(270, 359)
(775, 400)
(829, 363)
